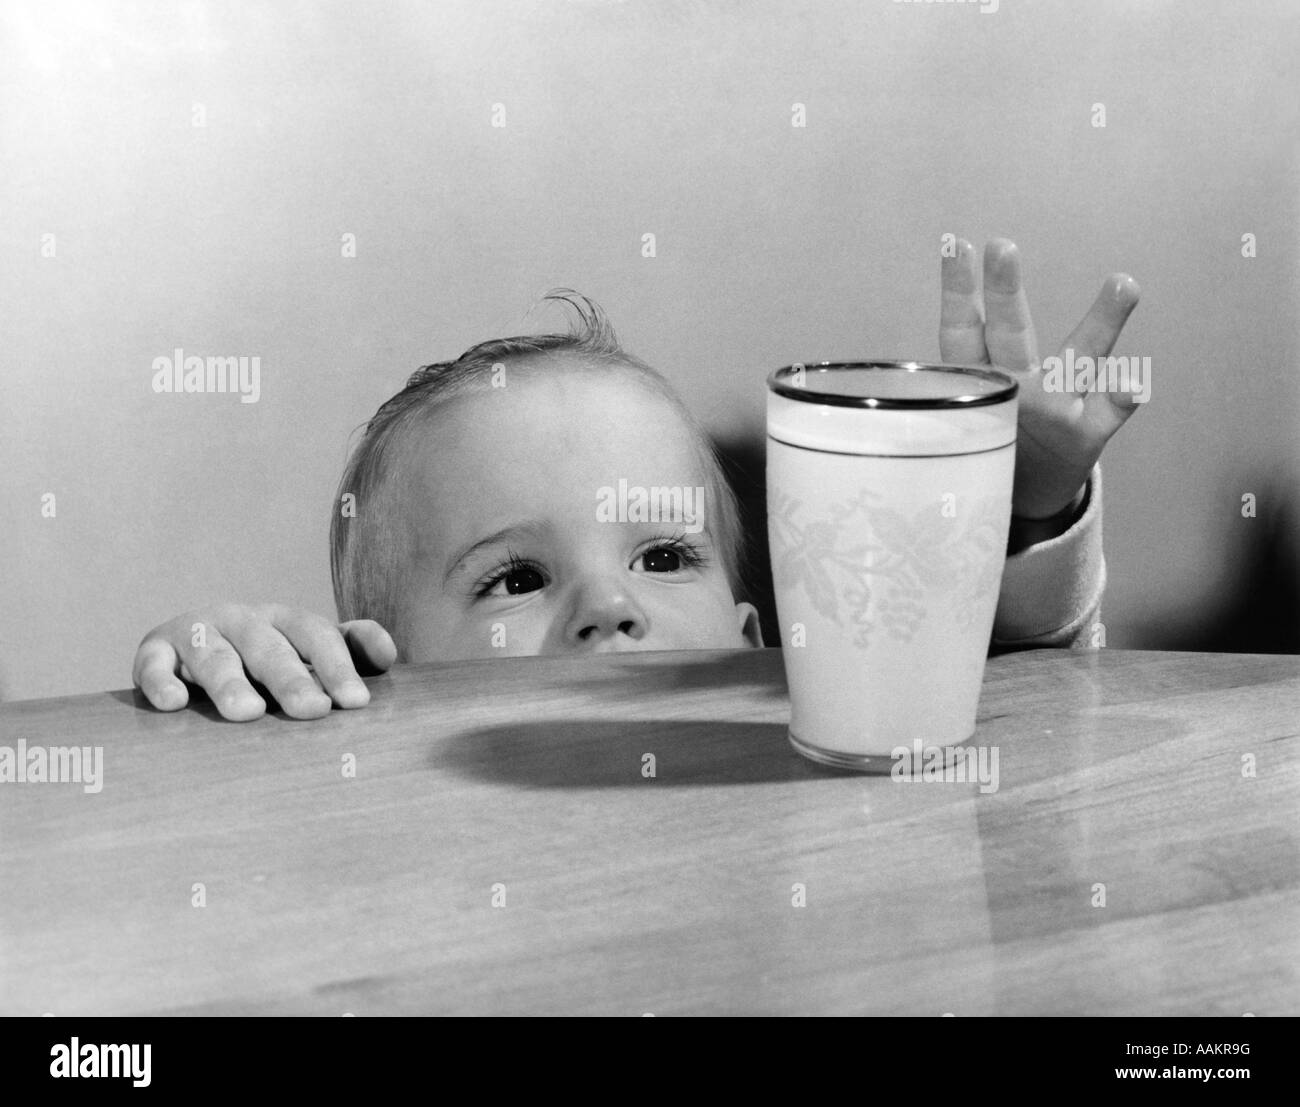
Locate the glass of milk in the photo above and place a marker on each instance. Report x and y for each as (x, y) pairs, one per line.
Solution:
(888, 503)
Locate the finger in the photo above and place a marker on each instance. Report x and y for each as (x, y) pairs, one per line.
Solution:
(1098, 331)
(216, 668)
(154, 673)
(272, 660)
(961, 316)
(1008, 328)
(322, 643)
(370, 643)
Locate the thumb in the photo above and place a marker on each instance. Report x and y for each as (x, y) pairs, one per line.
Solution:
(369, 641)
(1109, 409)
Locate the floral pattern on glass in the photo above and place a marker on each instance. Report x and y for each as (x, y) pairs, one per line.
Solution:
(878, 580)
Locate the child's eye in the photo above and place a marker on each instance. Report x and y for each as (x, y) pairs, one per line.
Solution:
(514, 579)
(671, 557)
(662, 559)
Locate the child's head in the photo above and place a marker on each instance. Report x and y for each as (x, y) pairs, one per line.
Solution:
(539, 495)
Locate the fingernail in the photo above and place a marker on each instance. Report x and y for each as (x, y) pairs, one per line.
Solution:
(1001, 268)
(355, 693)
(309, 697)
(233, 694)
(239, 703)
(172, 697)
(1124, 289)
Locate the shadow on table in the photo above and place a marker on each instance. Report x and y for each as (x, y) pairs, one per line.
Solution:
(636, 674)
(614, 754)
(199, 704)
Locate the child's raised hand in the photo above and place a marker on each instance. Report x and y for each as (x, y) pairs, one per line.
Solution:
(220, 648)
(1061, 434)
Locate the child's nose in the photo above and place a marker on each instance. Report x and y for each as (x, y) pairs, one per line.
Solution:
(605, 616)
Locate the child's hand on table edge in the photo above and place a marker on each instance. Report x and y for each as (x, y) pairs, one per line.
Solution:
(1060, 435)
(270, 643)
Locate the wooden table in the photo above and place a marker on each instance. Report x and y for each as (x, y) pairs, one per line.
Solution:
(621, 894)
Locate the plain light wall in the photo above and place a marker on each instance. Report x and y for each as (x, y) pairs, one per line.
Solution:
(773, 244)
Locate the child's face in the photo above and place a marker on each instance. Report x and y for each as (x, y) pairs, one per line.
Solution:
(509, 554)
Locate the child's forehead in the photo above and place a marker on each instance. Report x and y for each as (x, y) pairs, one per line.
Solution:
(543, 416)
(567, 391)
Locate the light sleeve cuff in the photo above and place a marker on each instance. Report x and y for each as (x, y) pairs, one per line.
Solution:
(1051, 591)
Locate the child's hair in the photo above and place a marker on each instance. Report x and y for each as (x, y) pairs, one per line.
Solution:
(365, 553)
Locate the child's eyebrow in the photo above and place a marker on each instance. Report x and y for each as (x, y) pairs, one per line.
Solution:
(529, 529)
